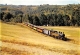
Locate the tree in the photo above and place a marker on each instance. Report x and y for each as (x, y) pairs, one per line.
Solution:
(30, 18)
(43, 19)
(75, 18)
(25, 18)
(60, 20)
(7, 17)
(66, 19)
(1, 15)
(36, 21)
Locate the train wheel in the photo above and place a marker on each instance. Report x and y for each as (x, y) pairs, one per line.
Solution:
(65, 39)
(61, 38)
(56, 37)
(53, 36)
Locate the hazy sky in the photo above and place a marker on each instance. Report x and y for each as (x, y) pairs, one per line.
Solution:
(39, 2)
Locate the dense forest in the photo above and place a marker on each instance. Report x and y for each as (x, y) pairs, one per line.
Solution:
(53, 15)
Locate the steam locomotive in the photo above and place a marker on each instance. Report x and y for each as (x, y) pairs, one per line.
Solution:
(52, 33)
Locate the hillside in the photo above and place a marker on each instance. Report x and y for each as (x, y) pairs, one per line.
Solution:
(52, 15)
(18, 39)
(73, 33)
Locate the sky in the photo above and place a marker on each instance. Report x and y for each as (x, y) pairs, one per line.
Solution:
(39, 2)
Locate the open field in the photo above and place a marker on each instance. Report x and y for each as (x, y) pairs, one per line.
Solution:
(21, 40)
(72, 33)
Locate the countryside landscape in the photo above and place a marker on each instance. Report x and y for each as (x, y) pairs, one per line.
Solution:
(39, 29)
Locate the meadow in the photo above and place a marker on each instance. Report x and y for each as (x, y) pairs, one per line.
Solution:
(72, 33)
(18, 39)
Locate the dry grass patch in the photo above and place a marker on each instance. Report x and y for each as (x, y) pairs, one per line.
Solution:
(72, 33)
(20, 34)
(9, 51)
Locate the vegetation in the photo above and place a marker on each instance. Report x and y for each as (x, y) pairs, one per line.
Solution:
(26, 41)
(18, 39)
(54, 15)
(70, 32)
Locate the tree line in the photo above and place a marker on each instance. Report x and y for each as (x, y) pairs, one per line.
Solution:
(55, 20)
(53, 15)
(42, 19)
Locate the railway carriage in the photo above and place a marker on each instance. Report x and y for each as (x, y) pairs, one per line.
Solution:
(31, 26)
(40, 29)
(28, 25)
(46, 31)
(34, 27)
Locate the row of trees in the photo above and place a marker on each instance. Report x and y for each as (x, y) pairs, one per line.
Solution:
(54, 20)
(42, 19)
(8, 17)
(55, 15)
(50, 19)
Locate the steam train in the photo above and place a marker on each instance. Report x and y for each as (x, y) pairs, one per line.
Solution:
(52, 33)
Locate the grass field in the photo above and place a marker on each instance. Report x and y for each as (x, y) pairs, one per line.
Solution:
(21, 40)
(72, 33)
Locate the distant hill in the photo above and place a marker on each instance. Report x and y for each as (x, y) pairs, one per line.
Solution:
(35, 9)
(71, 12)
